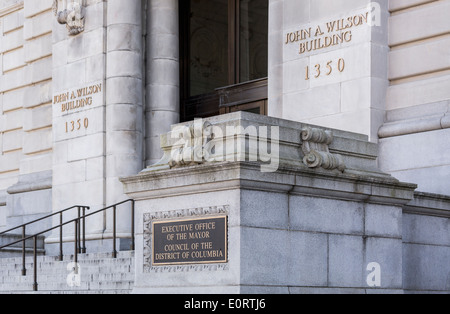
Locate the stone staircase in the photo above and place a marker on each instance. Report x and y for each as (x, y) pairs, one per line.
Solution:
(99, 274)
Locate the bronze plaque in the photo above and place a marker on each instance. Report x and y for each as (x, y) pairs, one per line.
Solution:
(194, 241)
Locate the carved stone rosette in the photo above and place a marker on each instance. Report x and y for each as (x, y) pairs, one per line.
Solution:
(316, 150)
(72, 14)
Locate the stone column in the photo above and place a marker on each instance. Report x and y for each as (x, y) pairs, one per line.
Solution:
(124, 90)
(163, 78)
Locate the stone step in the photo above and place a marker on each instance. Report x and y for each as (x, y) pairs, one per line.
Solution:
(124, 287)
(53, 266)
(60, 284)
(111, 277)
(99, 273)
(75, 292)
(90, 257)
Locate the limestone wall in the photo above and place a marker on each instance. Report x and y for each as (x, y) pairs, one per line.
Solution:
(71, 106)
(25, 91)
(418, 98)
(98, 110)
(426, 244)
(328, 62)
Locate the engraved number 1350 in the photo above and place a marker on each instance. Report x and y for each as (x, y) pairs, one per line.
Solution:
(327, 70)
(77, 125)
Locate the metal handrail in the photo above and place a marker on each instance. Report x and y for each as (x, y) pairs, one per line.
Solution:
(77, 239)
(42, 218)
(25, 225)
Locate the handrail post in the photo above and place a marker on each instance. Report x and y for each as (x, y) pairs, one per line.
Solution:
(83, 249)
(114, 232)
(79, 229)
(35, 284)
(76, 243)
(24, 269)
(61, 256)
(132, 226)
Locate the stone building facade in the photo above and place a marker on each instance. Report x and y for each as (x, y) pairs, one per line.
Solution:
(87, 88)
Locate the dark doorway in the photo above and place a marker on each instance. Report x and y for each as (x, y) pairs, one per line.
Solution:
(224, 56)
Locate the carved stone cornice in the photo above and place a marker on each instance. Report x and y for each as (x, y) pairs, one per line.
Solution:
(244, 136)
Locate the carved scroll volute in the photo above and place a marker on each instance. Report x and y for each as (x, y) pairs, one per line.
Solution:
(189, 149)
(71, 13)
(316, 150)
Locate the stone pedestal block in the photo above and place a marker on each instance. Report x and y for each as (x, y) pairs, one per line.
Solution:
(294, 229)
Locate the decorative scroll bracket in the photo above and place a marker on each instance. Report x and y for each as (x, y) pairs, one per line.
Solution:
(71, 13)
(193, 139)
(316, 150)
